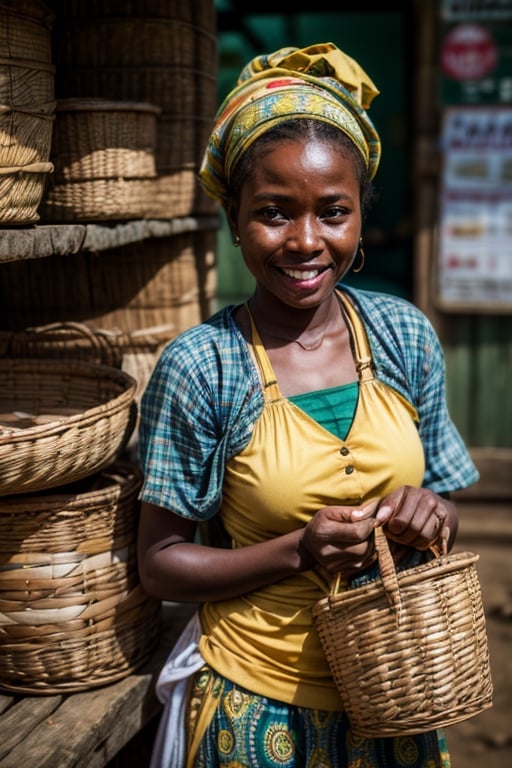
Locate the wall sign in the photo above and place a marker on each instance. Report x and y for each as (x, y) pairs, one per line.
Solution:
(475, 226)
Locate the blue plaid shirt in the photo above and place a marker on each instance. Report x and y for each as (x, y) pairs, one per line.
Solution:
(204, 397)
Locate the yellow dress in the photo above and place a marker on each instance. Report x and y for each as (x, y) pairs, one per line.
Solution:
(265, 640)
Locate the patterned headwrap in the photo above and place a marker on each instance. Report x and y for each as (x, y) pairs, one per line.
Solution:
(318, 82)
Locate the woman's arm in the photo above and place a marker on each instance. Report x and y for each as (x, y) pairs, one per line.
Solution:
(174, 567)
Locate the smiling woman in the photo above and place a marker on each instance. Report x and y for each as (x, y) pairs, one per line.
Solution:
(297, 422)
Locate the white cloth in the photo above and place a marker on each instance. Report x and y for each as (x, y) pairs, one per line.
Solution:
(170, 747)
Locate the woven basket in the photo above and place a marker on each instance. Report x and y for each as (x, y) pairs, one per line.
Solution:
(162, 51)
(135, 42)
(165, 281)
(27, 86)
(98, 200)
(104, 155)
(21, 192)
(26, 108)
(25, 27)
(102, 139)
(135, 353)
(72, 611)
(60, 422)
(408, 652)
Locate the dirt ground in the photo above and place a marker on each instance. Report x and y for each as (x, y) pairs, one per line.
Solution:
(485, 741)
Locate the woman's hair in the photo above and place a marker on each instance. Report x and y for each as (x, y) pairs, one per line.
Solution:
(311, 129)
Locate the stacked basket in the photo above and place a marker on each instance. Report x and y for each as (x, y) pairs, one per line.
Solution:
(104, 156)
(72, 611)
(161, 51)
(26, 108)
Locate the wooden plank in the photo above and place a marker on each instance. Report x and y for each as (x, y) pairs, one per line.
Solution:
(87, 728)
(67, 239)
(5, 702)
(22, 718)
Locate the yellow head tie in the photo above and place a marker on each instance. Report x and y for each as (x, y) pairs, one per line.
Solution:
(318, 82)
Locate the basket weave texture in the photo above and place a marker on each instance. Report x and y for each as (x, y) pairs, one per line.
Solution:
(408, 652)
(73, 614)
(149, 50)
(104, 154)
(27, 108)
(60, 422)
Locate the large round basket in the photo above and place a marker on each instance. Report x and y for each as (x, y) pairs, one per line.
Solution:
(61, 421)
(408, 651)
(73, 614)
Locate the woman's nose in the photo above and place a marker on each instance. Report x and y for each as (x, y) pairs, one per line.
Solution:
(304, 235)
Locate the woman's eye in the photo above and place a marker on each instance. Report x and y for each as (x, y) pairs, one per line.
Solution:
(334, 212)
(271, 214)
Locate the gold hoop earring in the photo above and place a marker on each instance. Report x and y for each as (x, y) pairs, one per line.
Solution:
(236, 240)
(361, 257)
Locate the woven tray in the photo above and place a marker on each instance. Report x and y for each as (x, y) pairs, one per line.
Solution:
(408, 652)
(72, 611)
(60, 422)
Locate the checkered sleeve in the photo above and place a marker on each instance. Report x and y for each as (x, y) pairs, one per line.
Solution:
(196, 412)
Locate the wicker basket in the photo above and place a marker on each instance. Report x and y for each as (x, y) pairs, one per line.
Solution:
(60, 422)
(26, 108)
(104, 155)
(136, 352)
(161, 51)
(25, 27)
(72, 611)
(408, 652)
(102, 139)
(21, 192)
(165, 281)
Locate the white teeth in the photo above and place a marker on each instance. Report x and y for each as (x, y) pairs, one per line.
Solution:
(299, 274)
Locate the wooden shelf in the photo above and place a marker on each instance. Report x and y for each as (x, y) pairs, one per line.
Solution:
(68, 239)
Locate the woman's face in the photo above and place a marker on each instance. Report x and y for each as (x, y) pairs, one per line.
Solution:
(299, 220)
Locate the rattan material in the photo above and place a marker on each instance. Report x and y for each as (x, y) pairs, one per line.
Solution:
(27, 86)
(136, 352)
(104, 155)
(24, 30)
(151, 50)
(60, 422)
(21, 191)
(102, 139)
(409, 651)
(70, 340)
(167, 281)
(136, 42)
(72, 611)
(98, 200)
(26, 108)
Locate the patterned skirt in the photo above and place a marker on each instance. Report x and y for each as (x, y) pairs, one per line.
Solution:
(230, 727)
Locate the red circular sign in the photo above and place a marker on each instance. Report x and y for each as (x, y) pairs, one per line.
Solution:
(469, 53)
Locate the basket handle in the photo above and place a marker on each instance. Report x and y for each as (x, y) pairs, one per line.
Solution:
(387, 570)
(387, 567)
(22, 344)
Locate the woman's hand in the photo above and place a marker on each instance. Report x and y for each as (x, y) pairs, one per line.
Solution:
(419, 518)
(339, 539)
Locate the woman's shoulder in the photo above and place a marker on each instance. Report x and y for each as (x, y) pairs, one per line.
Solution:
(391, 316)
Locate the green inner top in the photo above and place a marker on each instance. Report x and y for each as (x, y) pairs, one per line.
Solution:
(333, 408)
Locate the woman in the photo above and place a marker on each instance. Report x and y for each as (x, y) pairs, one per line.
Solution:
(299, 421)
